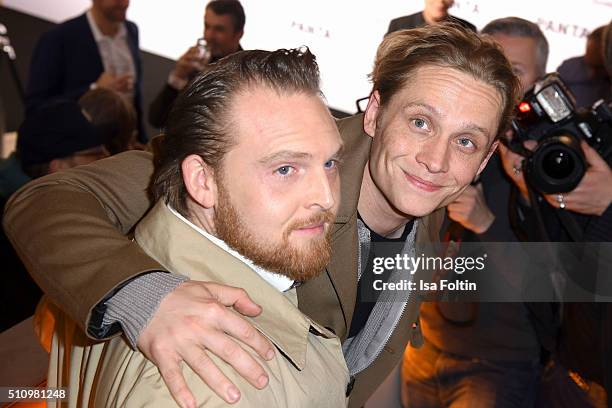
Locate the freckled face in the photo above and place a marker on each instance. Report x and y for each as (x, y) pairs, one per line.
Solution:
(432, 138)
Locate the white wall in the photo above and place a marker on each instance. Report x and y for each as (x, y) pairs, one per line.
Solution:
(343, 34)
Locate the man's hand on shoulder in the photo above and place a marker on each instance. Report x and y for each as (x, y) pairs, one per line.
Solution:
(194, 319)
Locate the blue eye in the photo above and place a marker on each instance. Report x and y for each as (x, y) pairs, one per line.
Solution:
(420, 123)
(331, 164)
(284, 170)
(465, 142)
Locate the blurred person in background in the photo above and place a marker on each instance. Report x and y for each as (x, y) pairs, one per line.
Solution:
(577, 335)
(54, 137)
(223, 28)
(435, 12)
(113, 118)
(580, 372)
(98, 49)
(107, 109)
(586, 76)
(2, 118)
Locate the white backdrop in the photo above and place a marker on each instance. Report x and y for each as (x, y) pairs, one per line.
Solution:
(343, 34)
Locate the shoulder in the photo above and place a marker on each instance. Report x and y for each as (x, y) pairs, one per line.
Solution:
(356, 153)
(131, 27)
(350, 125)
(61, 33)
(411, 21)
(73, 25)
(572, 68)
(356, 141)
(431, 225)
(66, 31)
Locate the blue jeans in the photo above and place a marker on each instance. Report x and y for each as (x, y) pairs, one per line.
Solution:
(433, 379)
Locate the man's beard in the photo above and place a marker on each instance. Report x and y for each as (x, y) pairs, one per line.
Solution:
(282, 258)
(115, 14)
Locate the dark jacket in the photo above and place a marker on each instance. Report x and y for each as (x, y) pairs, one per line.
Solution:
(416, 20)
(66, 61)
(161, 105)
(584, 341)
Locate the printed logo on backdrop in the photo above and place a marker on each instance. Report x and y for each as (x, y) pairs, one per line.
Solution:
(466, 6)
(311, 29)
(564, 28)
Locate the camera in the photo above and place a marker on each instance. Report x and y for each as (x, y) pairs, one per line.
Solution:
(548, 115)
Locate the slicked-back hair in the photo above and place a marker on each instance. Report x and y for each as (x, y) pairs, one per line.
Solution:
(446, 45)
(231, 7)
(199, 121)
(519, 27)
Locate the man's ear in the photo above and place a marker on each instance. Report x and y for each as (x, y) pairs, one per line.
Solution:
(199, 179)
(371, 114)
(239, 34)
(486, 159)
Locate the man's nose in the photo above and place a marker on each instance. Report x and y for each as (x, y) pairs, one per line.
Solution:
(434, 156)
(208, 34)
(321, 191)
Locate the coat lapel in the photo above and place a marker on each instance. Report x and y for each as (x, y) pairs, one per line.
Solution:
(330, 298)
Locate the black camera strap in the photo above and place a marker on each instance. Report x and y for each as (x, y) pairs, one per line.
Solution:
(537, 211)
(568, 222)
(571, 225)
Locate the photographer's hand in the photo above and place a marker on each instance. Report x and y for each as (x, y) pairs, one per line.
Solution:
(470, 210)
(594, 193)
(512, 164)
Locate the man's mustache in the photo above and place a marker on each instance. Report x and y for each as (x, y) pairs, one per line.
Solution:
(327, 217)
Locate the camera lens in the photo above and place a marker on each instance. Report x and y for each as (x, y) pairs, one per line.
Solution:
(558, 164)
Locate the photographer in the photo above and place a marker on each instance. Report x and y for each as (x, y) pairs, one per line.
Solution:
(580, 370)
(581, 364)
(586, 75)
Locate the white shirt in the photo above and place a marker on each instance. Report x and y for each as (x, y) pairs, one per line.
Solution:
(114, 52)
(280, 282)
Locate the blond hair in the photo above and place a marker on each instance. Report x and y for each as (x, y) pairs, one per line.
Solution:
(448, 46)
